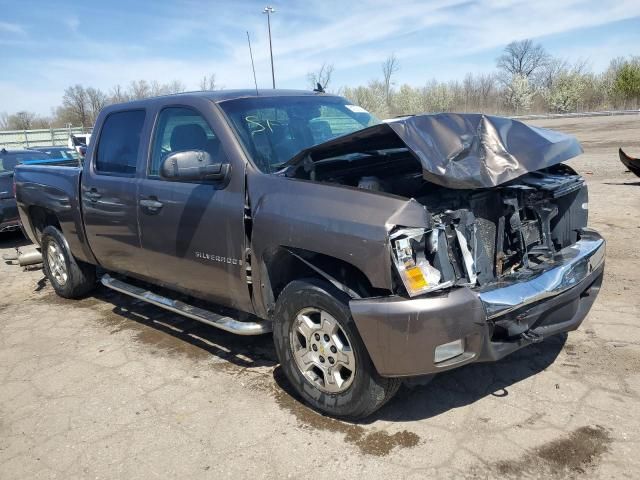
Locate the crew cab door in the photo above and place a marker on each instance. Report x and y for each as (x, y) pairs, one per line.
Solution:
(109, 192)
(192, 233)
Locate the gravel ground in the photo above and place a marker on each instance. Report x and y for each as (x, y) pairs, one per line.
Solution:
(108, 387)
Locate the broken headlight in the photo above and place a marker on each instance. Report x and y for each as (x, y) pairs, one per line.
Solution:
(414, 250)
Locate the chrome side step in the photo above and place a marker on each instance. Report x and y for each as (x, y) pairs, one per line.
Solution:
(225, 323)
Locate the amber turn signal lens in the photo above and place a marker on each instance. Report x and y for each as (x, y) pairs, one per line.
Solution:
(415, 279)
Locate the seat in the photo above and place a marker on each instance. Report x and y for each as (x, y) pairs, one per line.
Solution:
(283, 144)
(188, 137)
(321, 131)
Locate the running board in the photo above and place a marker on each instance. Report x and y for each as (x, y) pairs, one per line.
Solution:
(224, 323)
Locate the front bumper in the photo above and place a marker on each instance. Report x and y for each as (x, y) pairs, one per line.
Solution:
(401, 334)
(9, 219)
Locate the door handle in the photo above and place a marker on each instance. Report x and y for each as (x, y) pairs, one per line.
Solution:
(93, 195)
(151, 204)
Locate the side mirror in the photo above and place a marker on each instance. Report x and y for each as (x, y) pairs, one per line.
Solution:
(192, 165)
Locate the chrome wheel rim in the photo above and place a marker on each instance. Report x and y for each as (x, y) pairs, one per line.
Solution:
(57, 264)
(322, 350)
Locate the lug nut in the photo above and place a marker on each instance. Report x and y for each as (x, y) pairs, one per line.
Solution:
(331, 360)
(321, 359)
(333, 349)
(315, 347)
(317, 336)
(326, 337)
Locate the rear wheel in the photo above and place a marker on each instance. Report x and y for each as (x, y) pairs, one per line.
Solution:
(322, 354)
(69, 277)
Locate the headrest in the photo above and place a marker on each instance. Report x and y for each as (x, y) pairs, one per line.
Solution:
(188, 137)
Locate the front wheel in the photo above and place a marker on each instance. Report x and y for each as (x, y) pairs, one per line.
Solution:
(69, 277)
(322, 354)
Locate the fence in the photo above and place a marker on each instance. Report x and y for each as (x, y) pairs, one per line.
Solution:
(38, 138)
(602, 113)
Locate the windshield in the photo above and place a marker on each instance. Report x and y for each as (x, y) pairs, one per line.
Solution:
(274, 129)
(61, 153)
(9, 160)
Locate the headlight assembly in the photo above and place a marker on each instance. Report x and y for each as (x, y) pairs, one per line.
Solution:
(413, 253)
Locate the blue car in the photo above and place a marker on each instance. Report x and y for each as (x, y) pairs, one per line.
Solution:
(9, 219)
(57, 155)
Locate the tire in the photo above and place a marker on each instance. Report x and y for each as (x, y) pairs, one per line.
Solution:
(69, 277)
(355, 393)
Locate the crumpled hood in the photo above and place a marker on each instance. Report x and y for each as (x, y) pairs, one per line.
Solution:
(459, 150)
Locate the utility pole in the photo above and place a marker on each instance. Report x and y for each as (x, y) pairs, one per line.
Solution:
(269, 10)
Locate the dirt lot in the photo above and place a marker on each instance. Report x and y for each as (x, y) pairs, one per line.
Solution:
(108, 387)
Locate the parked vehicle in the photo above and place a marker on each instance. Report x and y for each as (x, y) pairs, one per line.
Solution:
(9, 219)
(60, 154)
(79, 142)
(373, 251)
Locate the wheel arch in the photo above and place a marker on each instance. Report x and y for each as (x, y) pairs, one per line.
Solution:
(40, 218)
(282, 265)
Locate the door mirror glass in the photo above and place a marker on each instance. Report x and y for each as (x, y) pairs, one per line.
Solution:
(190, 165)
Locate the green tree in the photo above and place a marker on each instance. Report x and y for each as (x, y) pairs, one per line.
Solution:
(627, 80)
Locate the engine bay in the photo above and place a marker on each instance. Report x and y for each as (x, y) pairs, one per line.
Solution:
(486, 235)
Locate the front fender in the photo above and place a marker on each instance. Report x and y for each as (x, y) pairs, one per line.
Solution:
(346, 223)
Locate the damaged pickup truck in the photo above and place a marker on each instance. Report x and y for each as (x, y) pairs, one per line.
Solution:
(373, 251)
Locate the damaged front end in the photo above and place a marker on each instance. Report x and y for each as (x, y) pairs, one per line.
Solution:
(480, 237)
(487, 240)
(504, 257)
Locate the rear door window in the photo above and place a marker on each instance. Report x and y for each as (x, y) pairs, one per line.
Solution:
(119, 144)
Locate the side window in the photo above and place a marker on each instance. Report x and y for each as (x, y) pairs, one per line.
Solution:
(119, 142)
(180, 129)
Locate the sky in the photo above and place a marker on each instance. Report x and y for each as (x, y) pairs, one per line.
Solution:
(46, 46)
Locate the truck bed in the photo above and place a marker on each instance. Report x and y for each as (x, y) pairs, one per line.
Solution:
(44, 190)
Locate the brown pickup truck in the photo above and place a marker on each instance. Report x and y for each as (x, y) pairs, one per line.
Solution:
(373, 250)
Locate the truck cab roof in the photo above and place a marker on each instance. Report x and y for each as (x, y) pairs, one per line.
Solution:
(217, 96)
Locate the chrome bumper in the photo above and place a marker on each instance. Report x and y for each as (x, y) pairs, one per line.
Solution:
(570, 267)
(401, 334)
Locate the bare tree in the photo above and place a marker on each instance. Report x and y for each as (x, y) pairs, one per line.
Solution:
(97, 100)
(118, 95)
(546, 76)
(139, 89)
(22, 120)
(4, 121)
(75, 102)
(175, 86)
(470, 88)
(522, 58)
(389, 67)
(486, 89)
(156, 89)
(41, 122)
(322, 76)
(208, 82)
